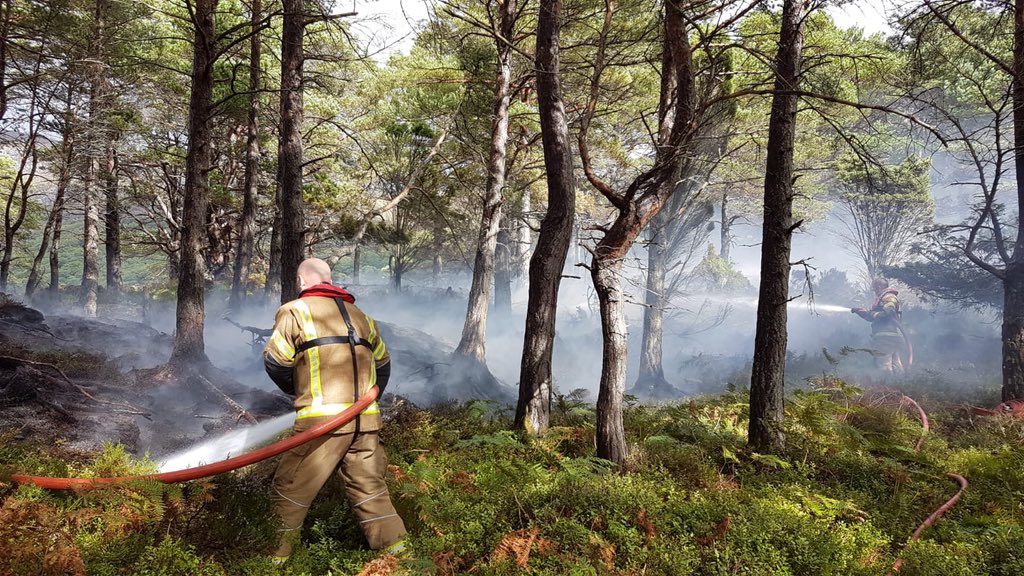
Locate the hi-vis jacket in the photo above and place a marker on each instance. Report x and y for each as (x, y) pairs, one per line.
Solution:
(884, 314)
(310, 355)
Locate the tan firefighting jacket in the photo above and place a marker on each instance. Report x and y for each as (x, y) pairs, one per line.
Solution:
(322, 375)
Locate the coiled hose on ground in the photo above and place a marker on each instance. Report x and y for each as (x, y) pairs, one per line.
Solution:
(215, 468)
(948, 505)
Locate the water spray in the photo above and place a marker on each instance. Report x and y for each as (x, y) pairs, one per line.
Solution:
(749, 302)
(215, 468)
(231, 444)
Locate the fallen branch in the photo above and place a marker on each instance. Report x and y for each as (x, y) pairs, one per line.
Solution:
(242, 412)
(126, 407)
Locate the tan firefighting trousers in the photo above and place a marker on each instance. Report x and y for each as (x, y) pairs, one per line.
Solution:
(360, 461)
(886, 349)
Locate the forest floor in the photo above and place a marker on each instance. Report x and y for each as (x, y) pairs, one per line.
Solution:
(78, 382)
(858, 475)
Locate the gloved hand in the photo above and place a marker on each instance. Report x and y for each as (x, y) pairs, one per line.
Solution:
(857, 310)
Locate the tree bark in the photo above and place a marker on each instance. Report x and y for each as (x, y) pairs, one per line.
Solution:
(769, 368)
(1013, 332)
(524, 240)
(273, 282)
(5, 32)
(97, 137)
(189, 346)
(290, 148)
(53, 221)
(725, 229)
(54, 287)
(247, 221)
(472, 345)
(611, 434)
(637, 205)
(533, 410)
(503, 273)
(112, 219)
(652, 372)
(1013, 277)
(356, 264)
(90, 247)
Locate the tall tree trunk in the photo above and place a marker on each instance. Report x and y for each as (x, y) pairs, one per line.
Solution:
(533, 411)
(290, 147)
(247, 223)
(112, 220)
(725, 229)
(5, 32)
(56, 211)
(641, 202)
(67, 144)
(54, 287)
(189, 346)
(472, 346)
(1013, 277)
(90, 246)
(1013, 332)
(273, 283)
(97, 137)
(503, 272)
(611, 435)
(524, 239)
(652, 373)
(769, 369)
(356, 264)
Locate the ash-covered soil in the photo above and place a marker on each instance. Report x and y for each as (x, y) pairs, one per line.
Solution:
(78, 382)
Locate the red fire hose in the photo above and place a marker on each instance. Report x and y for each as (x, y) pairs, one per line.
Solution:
(933, 517)
(941, 509)
(217, 467)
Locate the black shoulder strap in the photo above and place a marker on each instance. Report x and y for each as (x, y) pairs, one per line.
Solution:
(352, 337)
(325, 340)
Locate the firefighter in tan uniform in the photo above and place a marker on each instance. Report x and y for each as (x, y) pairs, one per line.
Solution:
(327, 353)
(888, 340)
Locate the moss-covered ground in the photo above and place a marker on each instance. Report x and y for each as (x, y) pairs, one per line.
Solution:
(842, 499)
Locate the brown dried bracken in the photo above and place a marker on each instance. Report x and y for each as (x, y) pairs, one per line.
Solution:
(516, 545)
(383, 566)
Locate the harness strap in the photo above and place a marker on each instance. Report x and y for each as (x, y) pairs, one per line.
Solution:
(352, 338)
(325, 340)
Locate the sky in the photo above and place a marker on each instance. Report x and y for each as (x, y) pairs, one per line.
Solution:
(391, 24)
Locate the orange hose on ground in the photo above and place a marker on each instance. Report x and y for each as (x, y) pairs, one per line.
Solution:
(924, 422)
(933, 517)
(221, 467)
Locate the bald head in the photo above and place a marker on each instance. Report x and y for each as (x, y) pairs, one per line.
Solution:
(313, 271)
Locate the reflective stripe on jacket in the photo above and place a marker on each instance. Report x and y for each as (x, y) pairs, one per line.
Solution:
(885, 314)
(323, 375)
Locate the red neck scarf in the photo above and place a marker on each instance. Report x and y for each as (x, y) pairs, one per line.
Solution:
(878, 301)
(326, 290)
